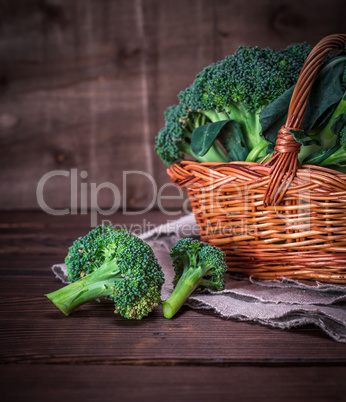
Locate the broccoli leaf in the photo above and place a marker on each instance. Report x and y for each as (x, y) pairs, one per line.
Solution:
(204, 136)
(332, 155)
(318, 157)
(337, 154)
(274, 116)
(301, 137)
(227, 132)
(327, 91)
(232, 139)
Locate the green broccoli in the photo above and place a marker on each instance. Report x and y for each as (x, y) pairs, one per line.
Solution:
(336, 155)
(322, 135)
(174, 140)
(111, 263)
(85, 254)
(196, 265)
(232, 91)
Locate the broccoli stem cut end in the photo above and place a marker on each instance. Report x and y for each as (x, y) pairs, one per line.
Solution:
(168, 310)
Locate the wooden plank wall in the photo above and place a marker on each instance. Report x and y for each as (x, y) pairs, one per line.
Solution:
(84, 83)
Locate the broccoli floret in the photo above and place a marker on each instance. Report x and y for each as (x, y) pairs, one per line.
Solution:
(86, 253)
(174, 140)
(111, 263)
(196, 265)
(235, 89)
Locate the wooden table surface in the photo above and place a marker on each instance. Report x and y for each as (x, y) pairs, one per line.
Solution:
(94, 355)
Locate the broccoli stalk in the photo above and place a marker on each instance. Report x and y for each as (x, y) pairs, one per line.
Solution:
(249, 124)
(98, 284)
(324, 154)
(247, 120)
(336, 156)
(196, 265)
(111, 263)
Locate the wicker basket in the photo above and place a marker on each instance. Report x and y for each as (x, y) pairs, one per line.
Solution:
(274, 219)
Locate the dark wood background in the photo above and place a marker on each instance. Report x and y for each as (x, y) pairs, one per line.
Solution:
(84, 83)
(96, 356)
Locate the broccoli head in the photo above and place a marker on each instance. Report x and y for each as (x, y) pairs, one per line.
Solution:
(112, 263)
(196, 265)
(234, 89)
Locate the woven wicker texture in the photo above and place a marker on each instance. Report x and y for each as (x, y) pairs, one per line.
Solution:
(302, 237)
(274, 219)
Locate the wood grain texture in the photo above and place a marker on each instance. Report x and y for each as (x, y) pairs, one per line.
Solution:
(94, 355)
(83, 84)
(34, 331)
(171, 384)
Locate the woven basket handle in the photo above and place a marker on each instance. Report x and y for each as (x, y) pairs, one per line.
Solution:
(284, 163)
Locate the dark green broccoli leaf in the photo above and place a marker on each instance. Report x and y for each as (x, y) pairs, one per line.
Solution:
(326, 102)
(336, 155)
(203, 137)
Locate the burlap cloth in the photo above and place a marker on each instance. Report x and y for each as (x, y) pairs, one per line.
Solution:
(283, 304)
